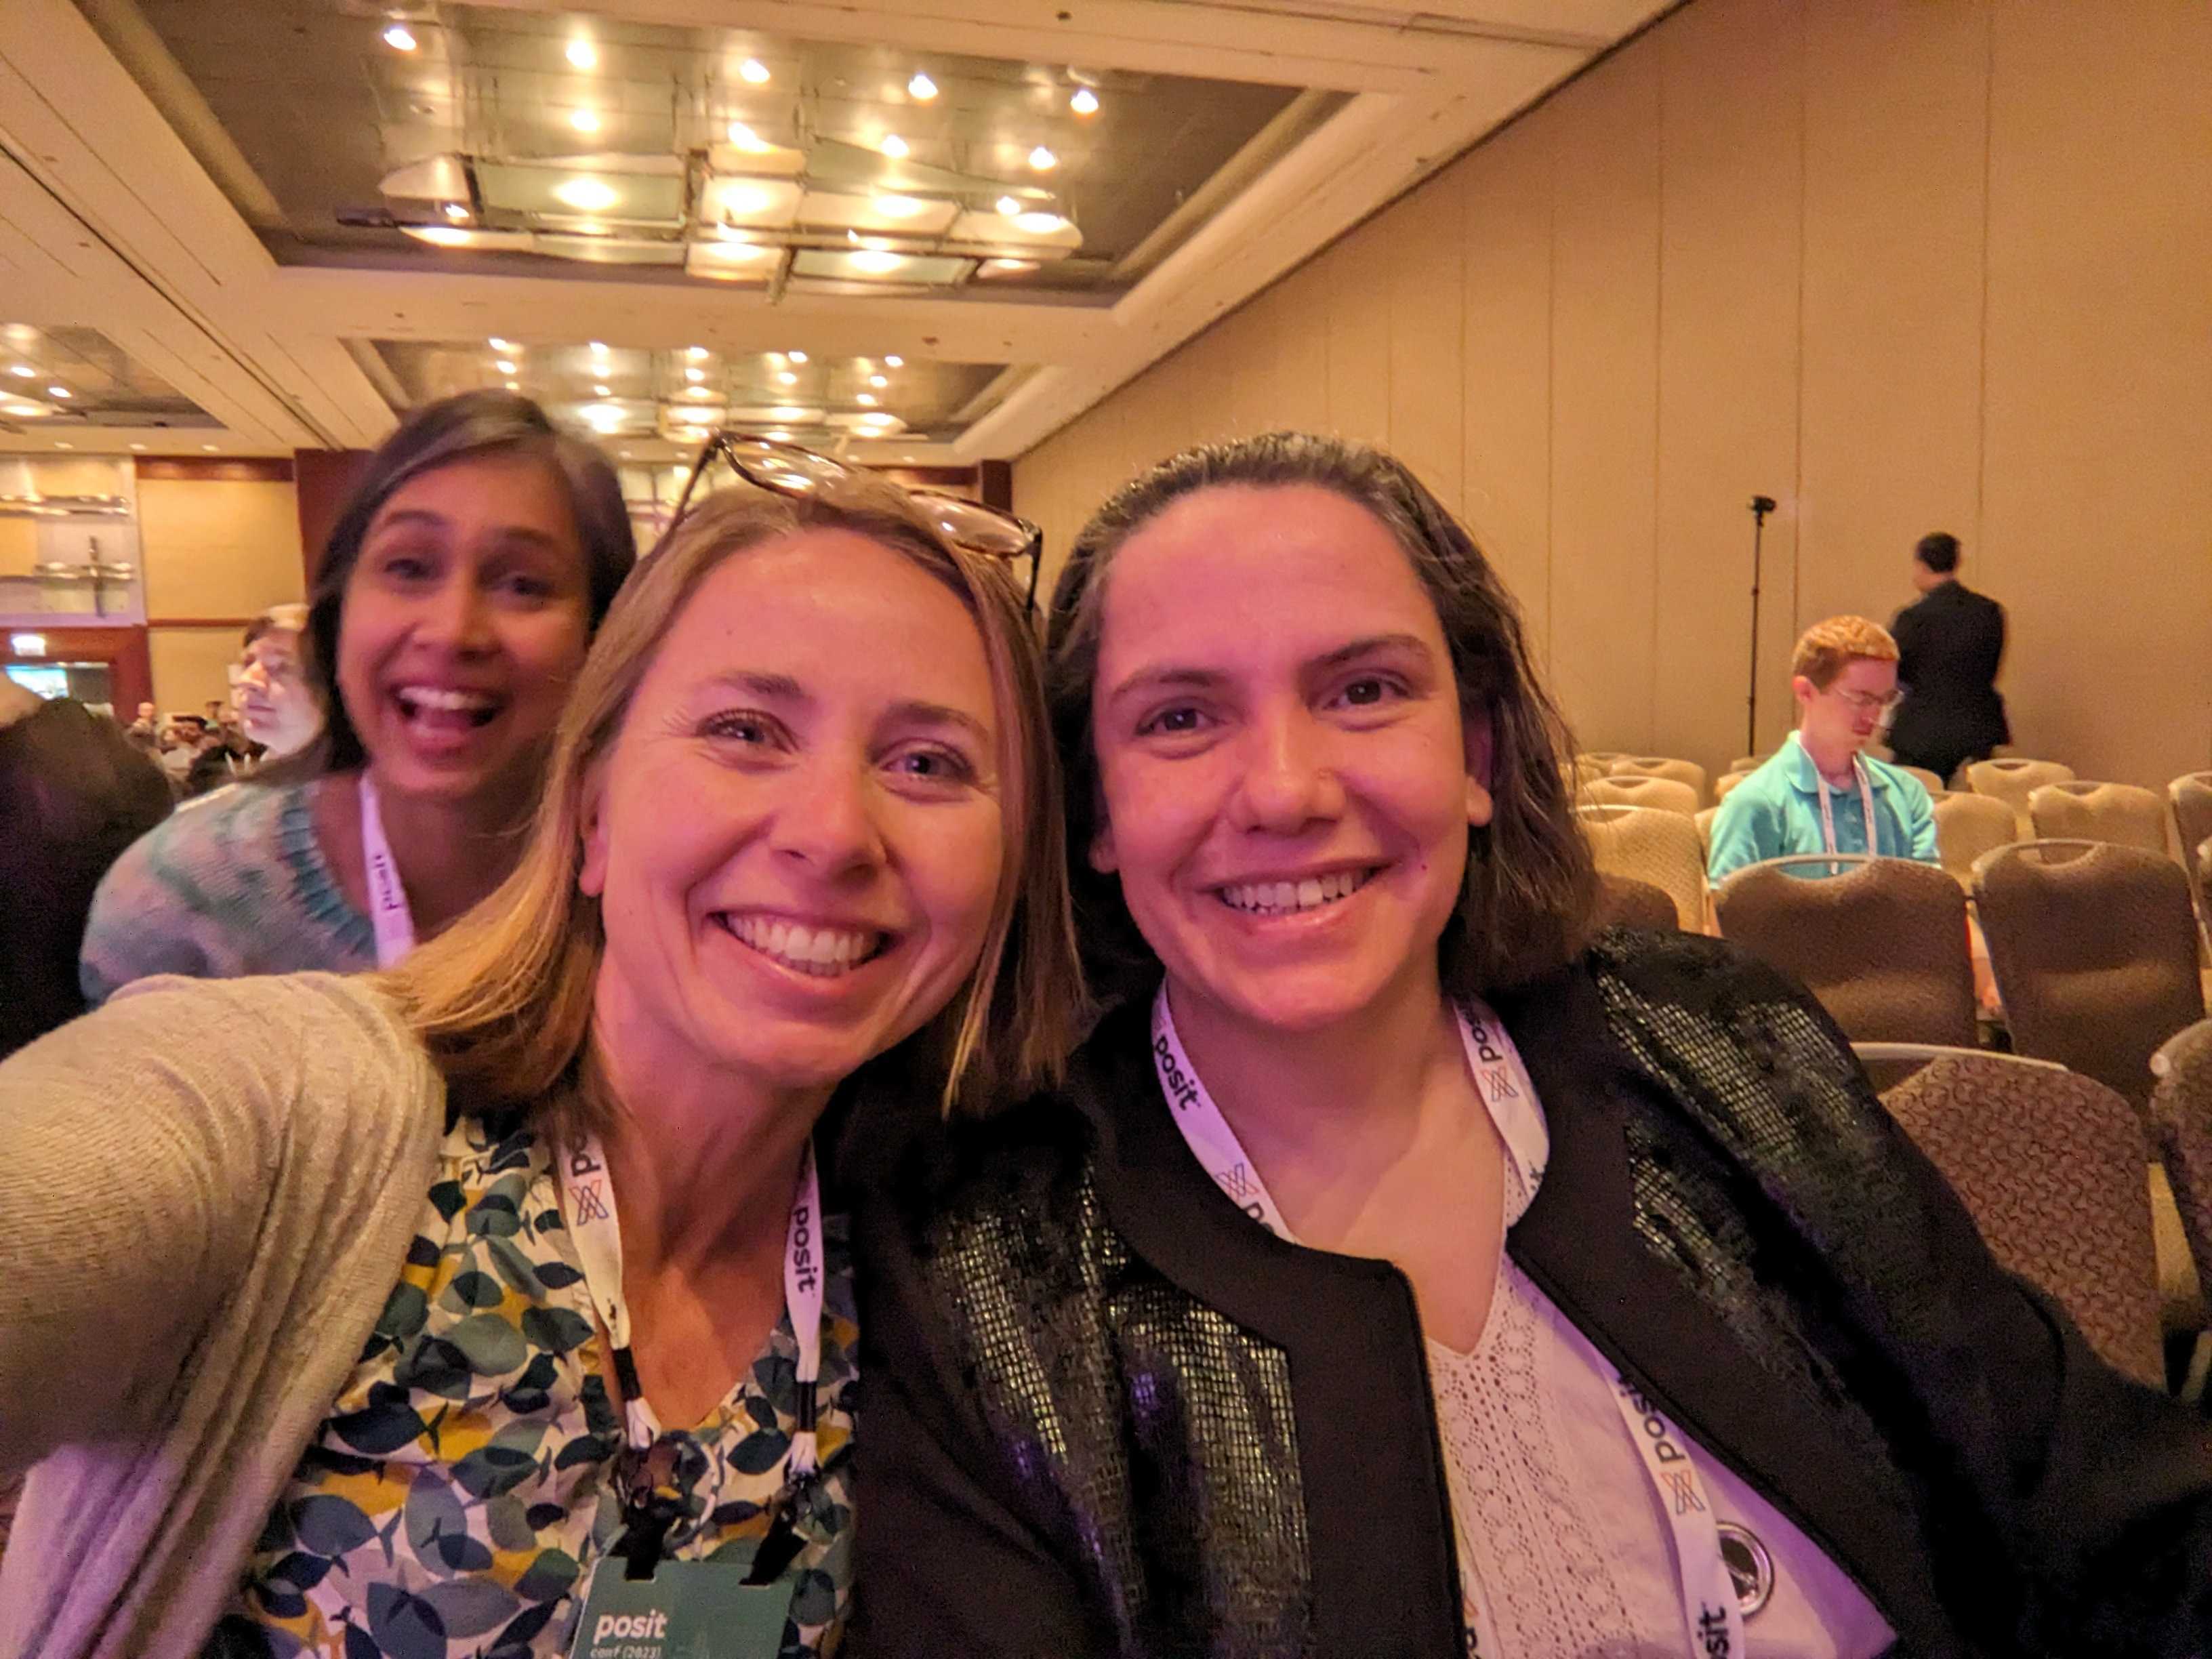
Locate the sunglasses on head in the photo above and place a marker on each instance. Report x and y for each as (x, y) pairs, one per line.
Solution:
(788, 470)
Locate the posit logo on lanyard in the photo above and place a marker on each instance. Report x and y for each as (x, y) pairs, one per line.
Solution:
(657, 1609)
(387, 899)
(1710, 1613)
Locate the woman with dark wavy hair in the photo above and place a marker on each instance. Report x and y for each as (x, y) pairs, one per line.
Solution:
(1402, 1269)
(450, 613)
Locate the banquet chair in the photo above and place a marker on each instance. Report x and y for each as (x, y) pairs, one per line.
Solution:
(2051, 1166)
(2119, 812)
(1665, 794)
(1659, 766)
(2181, 1117)
(2190, 796)
(2013, 781)
(1928, 781)
(1882, 945)
(1726, 782)
(1968, 825)
(1645, 844)
(2094, 946)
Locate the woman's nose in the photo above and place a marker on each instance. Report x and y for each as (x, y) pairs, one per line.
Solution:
(1289, 780)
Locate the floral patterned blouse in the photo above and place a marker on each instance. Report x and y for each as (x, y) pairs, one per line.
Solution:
(464, 1487)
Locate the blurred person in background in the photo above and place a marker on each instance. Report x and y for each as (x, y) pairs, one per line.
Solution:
(1950, 646)
(410, 1314)
(271, 689)
(452, 607)
(1821, 792)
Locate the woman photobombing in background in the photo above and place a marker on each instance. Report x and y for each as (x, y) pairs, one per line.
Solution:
(275, 701)
(414, 1314)
(451, 610)
(1401, 1272)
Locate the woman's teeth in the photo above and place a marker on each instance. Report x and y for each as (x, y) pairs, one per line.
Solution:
(821, 950)
(1269, 898)
(445, 705)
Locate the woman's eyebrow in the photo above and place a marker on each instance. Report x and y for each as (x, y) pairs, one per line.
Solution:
(939, 714)
(1367, 645)
(1163, 678)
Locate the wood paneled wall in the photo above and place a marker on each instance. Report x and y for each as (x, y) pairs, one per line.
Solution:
(1904, 266)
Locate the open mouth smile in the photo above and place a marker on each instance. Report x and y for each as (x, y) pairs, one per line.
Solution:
(820, 952)
(445, 708)
(1284, 898)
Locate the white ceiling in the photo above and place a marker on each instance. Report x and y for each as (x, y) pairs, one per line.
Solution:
(111, 219)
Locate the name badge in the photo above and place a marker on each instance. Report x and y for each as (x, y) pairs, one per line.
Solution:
(686, 1610)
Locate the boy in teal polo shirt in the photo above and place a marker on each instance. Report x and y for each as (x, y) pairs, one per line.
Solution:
(1818, 791)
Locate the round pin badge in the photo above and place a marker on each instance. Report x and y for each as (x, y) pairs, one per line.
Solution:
(1751, 1568)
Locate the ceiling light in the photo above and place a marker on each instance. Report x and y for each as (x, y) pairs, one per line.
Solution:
(899, 207)
(787, 379)
(498, 344)
(624, 453)
(1009, 206)
(895, 362)
(1039, 224)
(875, 261)
(140, 447)
(1085, 101)
(787, 413)
(599, 348)
(456, 212)
(25, 411)
(921, 87)
(1042, 159)
(1010, 264)
(58, 444)
(399, 37)
(893, 146)
(753, 71)
(22, 371)
(505, 366)
(603, 391)
(779, 433)
(745, 139)
(210, 448)
(583, 54)
(603, 417)
(587, 195)
(694, 353)
(585, 120)
(868, 399)
(59, 391)
(514, 386)
(795, 356)
(696, 391)
(877, 380)
(441, 235)
(695, 373)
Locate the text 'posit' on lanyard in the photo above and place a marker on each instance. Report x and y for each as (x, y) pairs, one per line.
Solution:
(388, 898)
(1712, 1616)
(587, 1206)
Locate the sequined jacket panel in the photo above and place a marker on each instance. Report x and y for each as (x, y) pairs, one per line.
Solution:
(1107, 1415)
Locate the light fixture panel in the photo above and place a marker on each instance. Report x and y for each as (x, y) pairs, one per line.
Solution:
(623, 190)
(749, 203)
(891, 211)
(874, 265)
(732, 262)
(1023, 236)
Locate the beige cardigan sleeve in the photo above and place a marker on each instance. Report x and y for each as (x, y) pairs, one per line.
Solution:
(208, 1188)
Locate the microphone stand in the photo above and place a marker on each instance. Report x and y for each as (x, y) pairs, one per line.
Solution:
(1760, 506)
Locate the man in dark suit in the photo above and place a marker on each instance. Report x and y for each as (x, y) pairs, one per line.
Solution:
(1950, 644)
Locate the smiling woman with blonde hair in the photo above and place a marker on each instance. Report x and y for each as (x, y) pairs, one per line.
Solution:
(422, 1313)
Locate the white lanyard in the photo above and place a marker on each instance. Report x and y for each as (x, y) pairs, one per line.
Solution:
(387, 899)
(1865, 806)
(1709, 1610)
(588, 1203)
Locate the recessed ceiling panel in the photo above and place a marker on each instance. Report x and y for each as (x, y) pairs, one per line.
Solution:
(600, 391)
(54, 379)
(328, 112)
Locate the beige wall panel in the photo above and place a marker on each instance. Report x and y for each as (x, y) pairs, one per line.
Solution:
(1427, 232)
(1605, 327)
(1358, 273)
(1728, 371)
(1302, 384)
(2098, 503)
(1506, 404)
(1896, 146)
(190, 666)
(19, 546)
(1204, 383)
(218, 548)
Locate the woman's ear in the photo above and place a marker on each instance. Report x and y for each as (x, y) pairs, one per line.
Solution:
(1100, 853)
(1480, 806)
(591, 829)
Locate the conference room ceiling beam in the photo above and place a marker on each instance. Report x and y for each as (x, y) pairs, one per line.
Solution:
(1372, 151)
(81, 127)
(1346, 49)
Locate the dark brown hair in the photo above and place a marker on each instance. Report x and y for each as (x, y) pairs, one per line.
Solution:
(464, 428)
(1526, 900)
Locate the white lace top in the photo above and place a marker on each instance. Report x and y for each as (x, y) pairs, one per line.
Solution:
(1560, 1534)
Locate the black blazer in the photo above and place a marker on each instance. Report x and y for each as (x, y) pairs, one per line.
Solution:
(1950, 644)
(1106, 1414)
